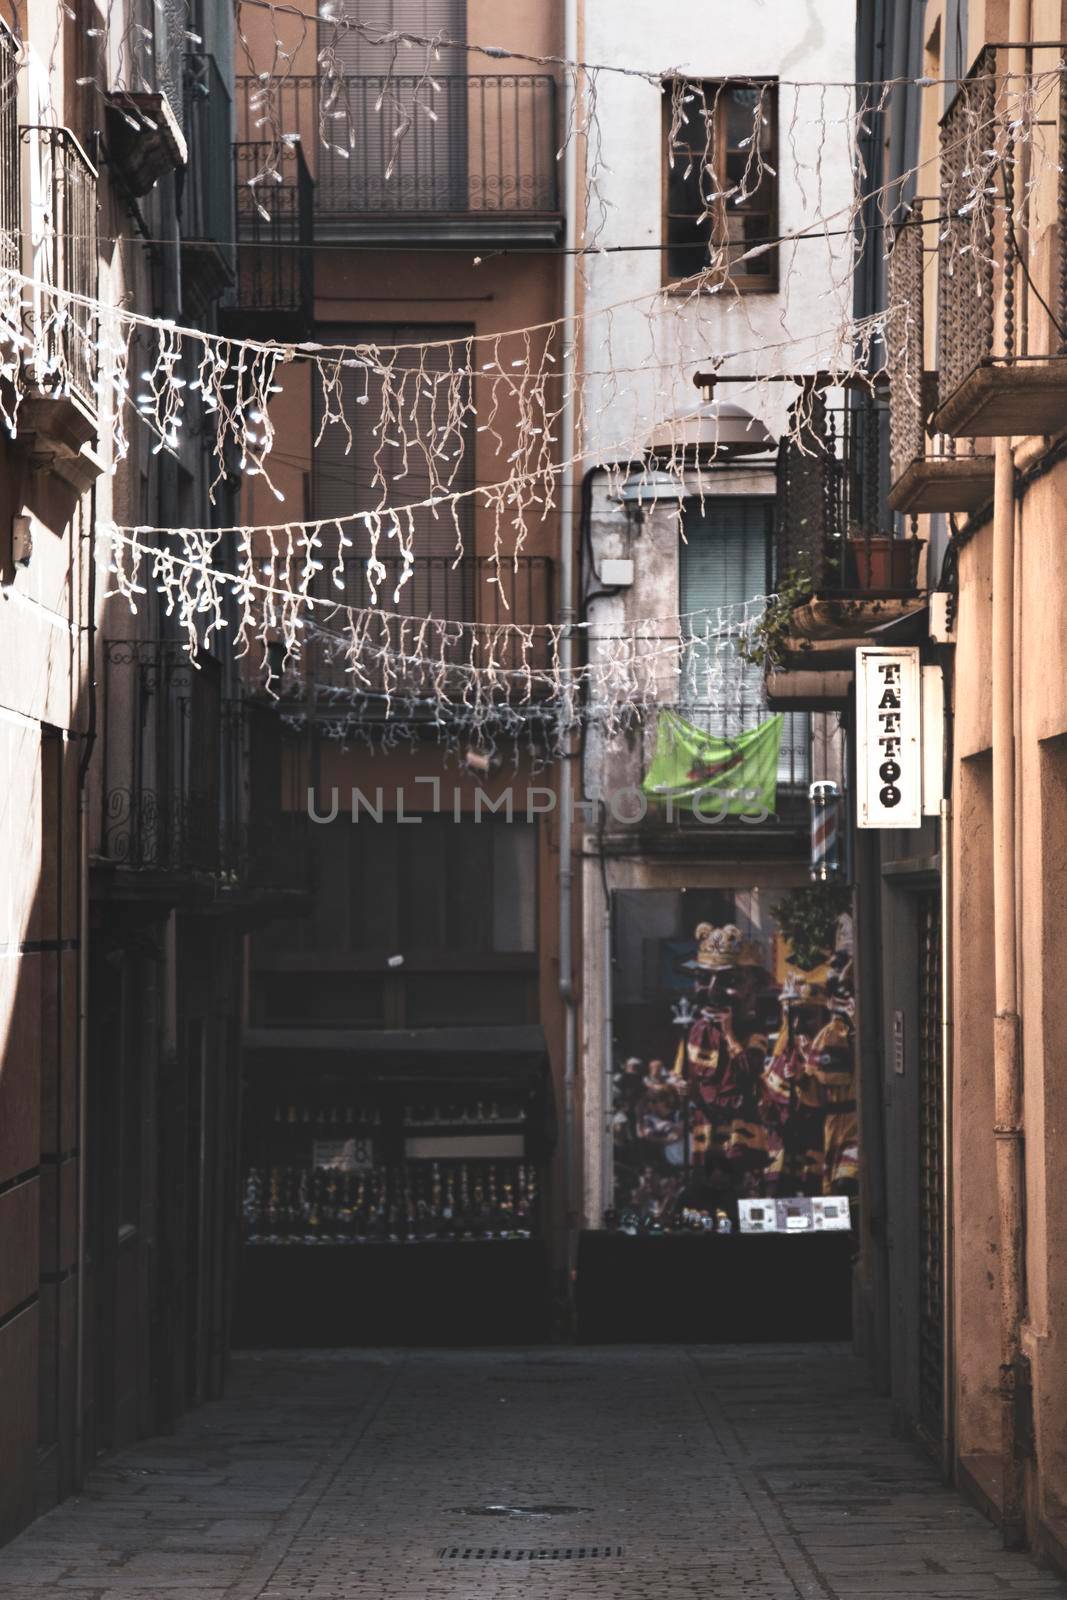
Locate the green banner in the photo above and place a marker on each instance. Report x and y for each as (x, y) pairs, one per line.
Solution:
(724, 777)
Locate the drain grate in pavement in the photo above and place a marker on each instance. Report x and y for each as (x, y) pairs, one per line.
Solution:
(518, 1511)
(576, 1552)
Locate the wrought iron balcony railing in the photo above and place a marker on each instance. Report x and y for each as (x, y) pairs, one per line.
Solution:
(834, 533)
(10, 202)
(482, 147)
(477, 616)
(193, 782)
(161, 740)
(810, 745)
(64, 333)
(927, 471)
(275, 264)
(1002, 303)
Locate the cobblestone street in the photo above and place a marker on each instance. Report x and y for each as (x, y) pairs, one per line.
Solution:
(765, 1472)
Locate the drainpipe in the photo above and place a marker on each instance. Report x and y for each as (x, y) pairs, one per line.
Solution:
(1007, 1058)
(948, 1330)
(88, 551)
(1007, 1030)
(566, 646)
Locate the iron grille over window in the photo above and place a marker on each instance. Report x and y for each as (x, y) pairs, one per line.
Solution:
(66, 333)
(721, 193)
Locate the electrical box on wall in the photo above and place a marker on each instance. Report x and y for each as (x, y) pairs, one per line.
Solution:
(942, 618)
(616, 574)
(22, 540)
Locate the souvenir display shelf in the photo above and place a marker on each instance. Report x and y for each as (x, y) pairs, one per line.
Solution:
(380, 1170)
(393, 1202)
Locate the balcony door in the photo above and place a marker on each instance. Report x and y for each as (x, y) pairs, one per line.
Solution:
(724, 560)
(346, 479)
(426, 169)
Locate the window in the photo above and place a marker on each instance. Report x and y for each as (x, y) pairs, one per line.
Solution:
(465, 887)
(721, 188)
(427, 170)
(350, 470)
(724, 560)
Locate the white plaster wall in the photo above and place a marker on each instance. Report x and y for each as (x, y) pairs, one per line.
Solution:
(657, 346)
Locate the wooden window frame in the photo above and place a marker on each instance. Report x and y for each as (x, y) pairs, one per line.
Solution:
(714, 90)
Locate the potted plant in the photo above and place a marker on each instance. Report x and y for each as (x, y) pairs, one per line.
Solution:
(765, 644)
(881, 562)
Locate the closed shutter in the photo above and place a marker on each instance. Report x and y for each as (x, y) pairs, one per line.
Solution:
(931, 1174)
(342, 483)
(724, 561)
(423, 17)
(428, 169)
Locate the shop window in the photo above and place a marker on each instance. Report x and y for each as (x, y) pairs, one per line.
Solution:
(720, 182)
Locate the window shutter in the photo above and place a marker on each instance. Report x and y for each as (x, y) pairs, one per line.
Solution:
(428, 168)
(425, 17)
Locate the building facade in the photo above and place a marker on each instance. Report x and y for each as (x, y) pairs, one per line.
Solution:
(133, 868)
(681, 520)
(959, 1272)
(432, 956)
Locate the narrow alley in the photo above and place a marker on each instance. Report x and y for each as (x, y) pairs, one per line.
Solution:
(765, 1473)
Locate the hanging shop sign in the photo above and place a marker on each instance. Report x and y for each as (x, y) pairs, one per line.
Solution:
(889, 748)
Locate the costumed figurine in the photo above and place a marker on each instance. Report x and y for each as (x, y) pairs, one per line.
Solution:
(726, 1049)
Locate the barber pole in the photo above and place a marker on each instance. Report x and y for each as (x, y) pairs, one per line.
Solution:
(826, 862)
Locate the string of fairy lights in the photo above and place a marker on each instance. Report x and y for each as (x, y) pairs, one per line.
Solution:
(421, 415)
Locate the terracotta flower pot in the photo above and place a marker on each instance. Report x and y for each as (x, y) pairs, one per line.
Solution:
(883, 563)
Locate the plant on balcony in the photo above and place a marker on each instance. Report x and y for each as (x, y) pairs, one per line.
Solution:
(807, 921)
(765, 645)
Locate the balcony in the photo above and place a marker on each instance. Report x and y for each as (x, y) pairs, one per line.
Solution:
(840, 567)
(712, 810)
(454, 595)
(161, 728)
(144, 111)
(478, 165)
(928, 472)
(58, 416)
(1002, 282)
(193, 786)
(797, 759)
(207, 202)
(273, 294)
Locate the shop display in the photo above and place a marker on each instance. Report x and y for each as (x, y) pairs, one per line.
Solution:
(735, 1078)
(394, 1155)
(417, 1201)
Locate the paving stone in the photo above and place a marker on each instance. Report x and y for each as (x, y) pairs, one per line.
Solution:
(763, 1473)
